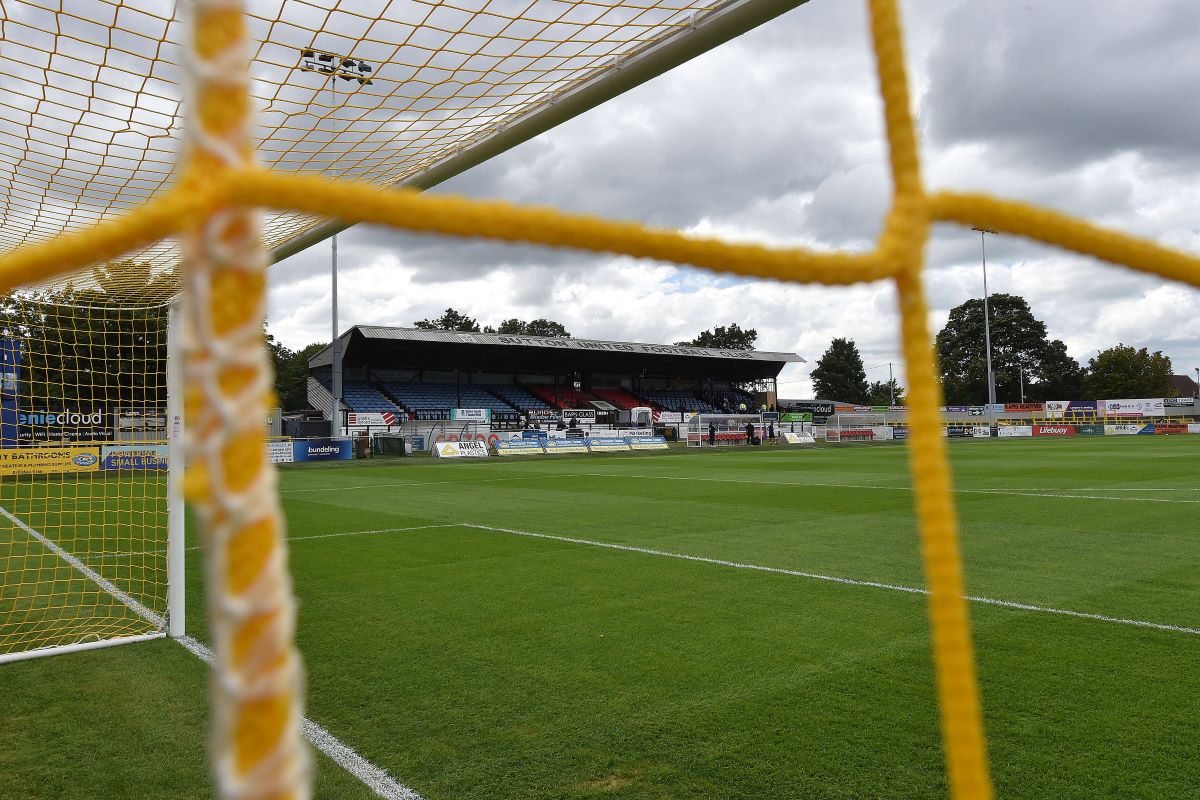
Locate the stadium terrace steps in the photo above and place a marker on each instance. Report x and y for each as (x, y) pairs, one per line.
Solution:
(363, 397)
(732, 398)
(561, 396)
(618, 397)
(678, 401)
(516, 396)
(433, 401)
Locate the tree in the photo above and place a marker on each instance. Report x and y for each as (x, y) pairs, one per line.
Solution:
(839, 374)
(731, 337)
(84, 349)
(291, 372)
(1060, 376)
(1019, 342)
(1122, 371)
(536, 327)
(885, 393)
(450, 320)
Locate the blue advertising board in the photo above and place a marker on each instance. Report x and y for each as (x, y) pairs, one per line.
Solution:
(519, 447)
(608, 444)
(10, 384)
(133, 456)
(566, 446)
(323, 449)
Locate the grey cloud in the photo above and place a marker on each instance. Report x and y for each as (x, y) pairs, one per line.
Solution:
(777, 136)
(1059, 84)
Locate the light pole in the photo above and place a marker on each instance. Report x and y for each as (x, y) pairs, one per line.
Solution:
(1021, 372)
(987, 324)
(348, 69)
(891, 383)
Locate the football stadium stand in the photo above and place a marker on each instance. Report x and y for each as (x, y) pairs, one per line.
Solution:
(426, 374)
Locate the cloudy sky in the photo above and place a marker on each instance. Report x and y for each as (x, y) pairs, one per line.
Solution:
(1088, 106)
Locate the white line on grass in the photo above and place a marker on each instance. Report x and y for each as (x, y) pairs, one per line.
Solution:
(424, 483)
(373, 777)
(103, 556)
(991, 601)
(89, 573)
(801, 484)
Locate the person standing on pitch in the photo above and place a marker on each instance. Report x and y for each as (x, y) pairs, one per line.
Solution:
(712, 434)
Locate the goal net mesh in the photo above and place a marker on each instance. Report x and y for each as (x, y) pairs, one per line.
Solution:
(83, 502)
(93, 131)
(856, 428)
(91, 116)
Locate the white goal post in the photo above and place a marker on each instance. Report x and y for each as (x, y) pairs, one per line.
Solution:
(841, 428)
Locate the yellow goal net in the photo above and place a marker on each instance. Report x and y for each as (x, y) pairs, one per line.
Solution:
(209, 215)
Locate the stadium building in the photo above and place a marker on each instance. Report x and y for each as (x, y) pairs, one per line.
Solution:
(424, 376)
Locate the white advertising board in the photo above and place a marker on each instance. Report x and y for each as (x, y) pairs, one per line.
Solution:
(1013, 431)
(460, 450)
(471, 414)
(1140, 407)
(798, 438)
(374, 418)
(281, 452)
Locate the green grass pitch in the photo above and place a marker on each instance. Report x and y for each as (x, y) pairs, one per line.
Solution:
(481, 664)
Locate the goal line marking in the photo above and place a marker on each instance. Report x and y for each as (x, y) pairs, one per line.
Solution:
(374, 778)
(990, 601)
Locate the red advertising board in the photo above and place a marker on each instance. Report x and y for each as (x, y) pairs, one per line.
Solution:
(1170, 427)
(1053, 430)
(1030, 407)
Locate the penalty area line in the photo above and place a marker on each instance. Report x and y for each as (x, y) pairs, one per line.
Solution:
(989, 601)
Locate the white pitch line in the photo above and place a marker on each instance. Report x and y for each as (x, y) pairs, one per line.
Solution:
(1004, 492)
(423, 483)
(102, 556)
(991, 601)
(89, 573)
(373, 777)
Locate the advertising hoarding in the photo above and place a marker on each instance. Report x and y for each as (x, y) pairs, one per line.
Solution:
(462, 449)
(48, 460)
(133, 456)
